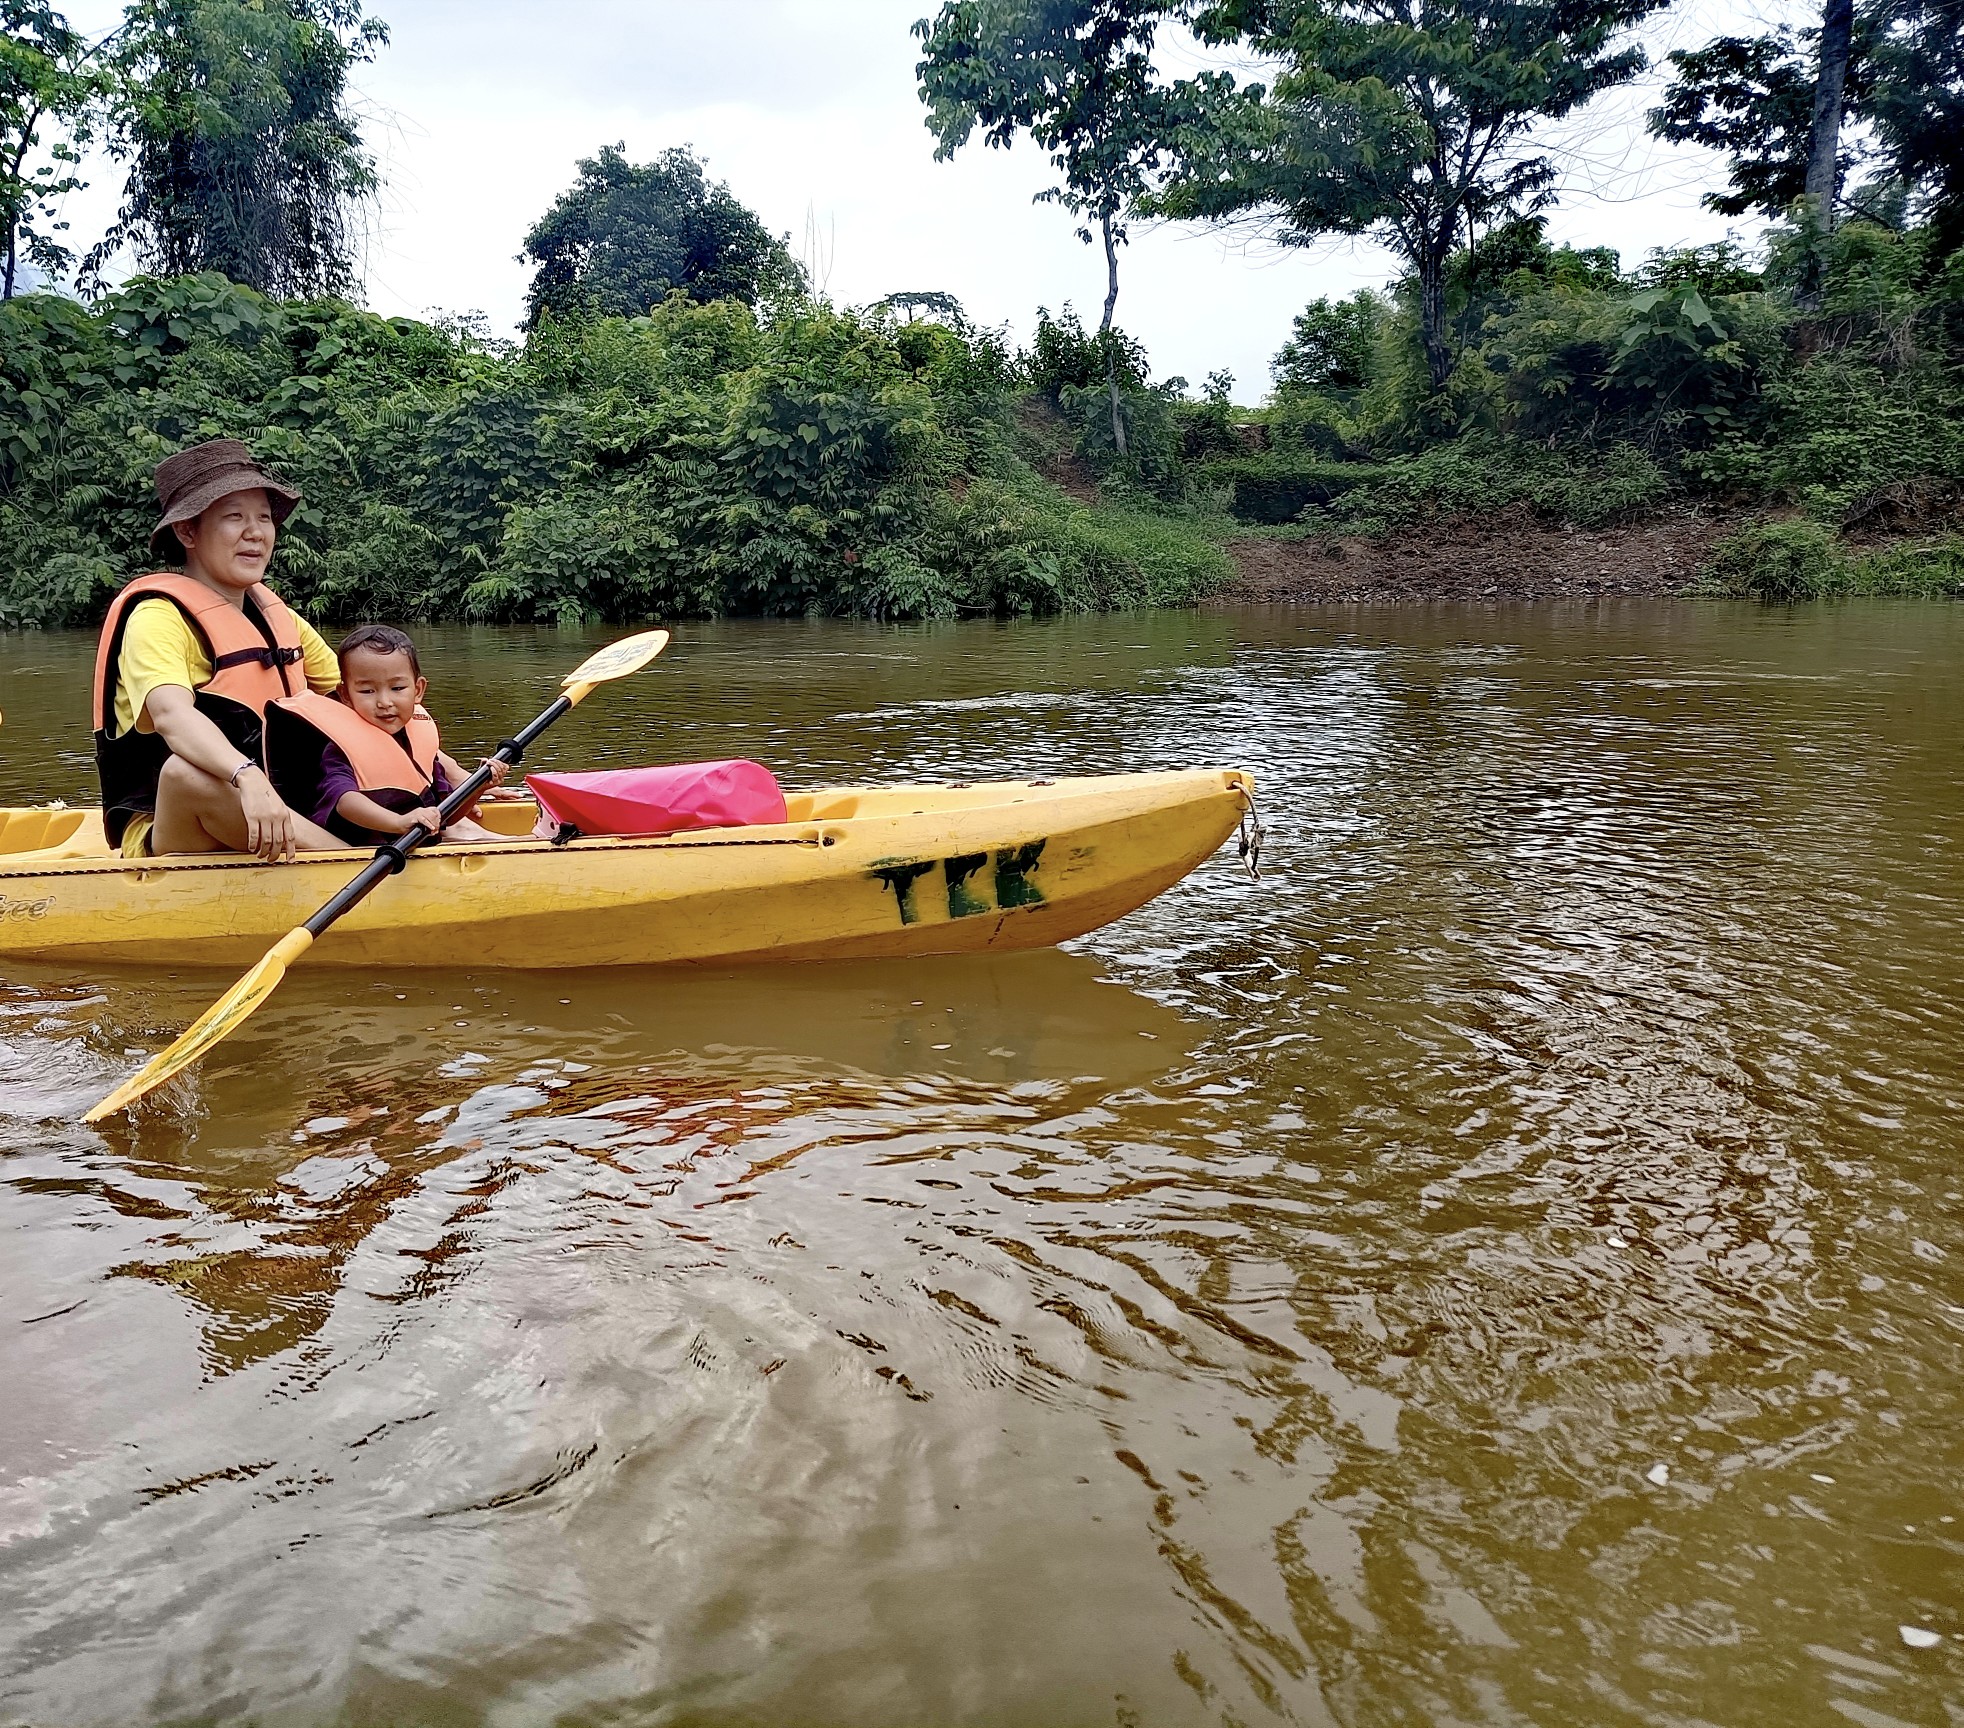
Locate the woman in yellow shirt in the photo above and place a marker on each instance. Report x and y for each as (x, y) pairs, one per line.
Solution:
(187, 664)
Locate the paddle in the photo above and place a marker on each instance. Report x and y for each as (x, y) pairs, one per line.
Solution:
(223, 1017)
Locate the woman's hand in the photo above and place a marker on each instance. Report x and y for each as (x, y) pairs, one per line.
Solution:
(268, 822)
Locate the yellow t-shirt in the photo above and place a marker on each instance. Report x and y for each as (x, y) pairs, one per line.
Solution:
(160, 647)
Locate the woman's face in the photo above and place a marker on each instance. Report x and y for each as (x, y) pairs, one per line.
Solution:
(232, 541)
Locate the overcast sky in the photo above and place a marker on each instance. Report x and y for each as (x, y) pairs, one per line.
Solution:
(479, 109)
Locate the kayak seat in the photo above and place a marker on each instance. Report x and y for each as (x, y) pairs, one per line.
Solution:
(53, 832)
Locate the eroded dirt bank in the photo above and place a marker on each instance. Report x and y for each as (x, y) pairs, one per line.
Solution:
(1509, 555)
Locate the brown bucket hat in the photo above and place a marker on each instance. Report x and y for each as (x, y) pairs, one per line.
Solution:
(193, 480)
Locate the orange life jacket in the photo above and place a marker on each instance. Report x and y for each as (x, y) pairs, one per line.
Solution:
(380, 762)
(256, 656)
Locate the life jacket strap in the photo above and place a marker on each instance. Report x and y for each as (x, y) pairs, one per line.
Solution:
(270, 658)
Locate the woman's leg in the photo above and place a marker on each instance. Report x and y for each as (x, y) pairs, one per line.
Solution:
(197, 812)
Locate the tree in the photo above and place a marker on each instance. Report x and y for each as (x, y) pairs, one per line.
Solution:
(1769, 103)
(46, 81)
(1077, 76)
(1405, 119)
(1824, 128)
(926, 303)
(1916, 104)
(1753, 99)
(1330, 345)
(622, 237)
(244, 157)
(1778, 114)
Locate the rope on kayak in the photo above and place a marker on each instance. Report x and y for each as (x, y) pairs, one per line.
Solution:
(1252, 834)
(172, 862)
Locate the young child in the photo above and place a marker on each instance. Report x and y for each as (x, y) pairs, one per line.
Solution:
(383, 683)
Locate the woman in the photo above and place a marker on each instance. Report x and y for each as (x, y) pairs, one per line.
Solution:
(188, 662)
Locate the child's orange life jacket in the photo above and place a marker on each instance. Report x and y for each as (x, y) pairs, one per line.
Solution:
(398, 770)
(380, 762)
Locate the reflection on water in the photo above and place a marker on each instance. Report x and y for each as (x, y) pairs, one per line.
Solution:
(1503, 1267)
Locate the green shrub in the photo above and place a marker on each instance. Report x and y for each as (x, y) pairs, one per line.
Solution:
(1933, 569)
(1018, 546)
(1779, 561)
(1481, 473)
(1786, 562)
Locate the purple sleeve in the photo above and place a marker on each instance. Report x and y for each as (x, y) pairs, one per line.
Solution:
(337, 779)
(440, 782)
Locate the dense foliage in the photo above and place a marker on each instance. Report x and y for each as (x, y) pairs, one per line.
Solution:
(685, 429)
(698, 459)
(1589, 397)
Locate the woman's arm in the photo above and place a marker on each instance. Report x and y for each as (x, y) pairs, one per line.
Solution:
(195, 738)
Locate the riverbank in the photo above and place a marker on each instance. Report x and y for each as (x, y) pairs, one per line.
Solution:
(1512, 554)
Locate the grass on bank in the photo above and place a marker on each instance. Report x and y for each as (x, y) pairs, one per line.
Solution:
(1785, 562)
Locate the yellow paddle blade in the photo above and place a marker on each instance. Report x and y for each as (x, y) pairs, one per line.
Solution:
(218, 1021)
(616, 660)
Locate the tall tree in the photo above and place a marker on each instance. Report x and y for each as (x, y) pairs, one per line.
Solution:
(245, 157)
(49, 91)
(1753, 99)
(1770, 104)
(623, 236)
(1410, 120)
(1916, 105)
(1077, 77)
(1830, 88)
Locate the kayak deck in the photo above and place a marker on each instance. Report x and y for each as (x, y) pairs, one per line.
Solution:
(855, 872)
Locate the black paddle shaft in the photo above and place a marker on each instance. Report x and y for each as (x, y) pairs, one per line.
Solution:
(393, 855)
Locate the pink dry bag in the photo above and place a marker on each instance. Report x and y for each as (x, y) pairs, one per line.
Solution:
(658, 800)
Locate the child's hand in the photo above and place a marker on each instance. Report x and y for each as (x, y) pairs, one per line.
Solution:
(498, 792)
(424, 816)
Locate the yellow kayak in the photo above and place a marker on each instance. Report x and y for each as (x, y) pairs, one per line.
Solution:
(855, 873)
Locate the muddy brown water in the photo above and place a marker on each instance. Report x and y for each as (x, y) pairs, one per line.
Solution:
(1507, 1266)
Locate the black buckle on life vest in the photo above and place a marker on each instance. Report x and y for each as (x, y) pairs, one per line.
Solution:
(270, 658)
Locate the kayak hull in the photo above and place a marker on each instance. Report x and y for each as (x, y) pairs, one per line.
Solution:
(856, 873)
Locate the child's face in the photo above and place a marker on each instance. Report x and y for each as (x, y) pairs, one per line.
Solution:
(381, 688)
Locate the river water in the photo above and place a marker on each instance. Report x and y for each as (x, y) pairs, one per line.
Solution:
(1506, 1266)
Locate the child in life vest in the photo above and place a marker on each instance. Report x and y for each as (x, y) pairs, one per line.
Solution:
(364, 795)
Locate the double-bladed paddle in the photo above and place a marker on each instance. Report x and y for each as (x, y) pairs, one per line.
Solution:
(230, 1011)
